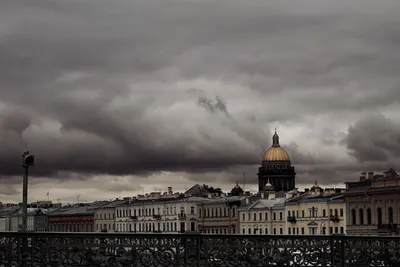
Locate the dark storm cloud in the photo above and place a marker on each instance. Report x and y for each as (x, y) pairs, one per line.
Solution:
(95, 87)
(208, 104)
(374, 138)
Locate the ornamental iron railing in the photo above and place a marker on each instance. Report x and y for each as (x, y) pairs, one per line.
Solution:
(194, 250)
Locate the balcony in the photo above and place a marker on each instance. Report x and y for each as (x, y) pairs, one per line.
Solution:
(134, 218)
(334, 218)
(182, 216)
(47, 249)
(157, 216)
(291, 219)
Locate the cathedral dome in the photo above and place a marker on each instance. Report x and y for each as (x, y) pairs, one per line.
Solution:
(276, 152)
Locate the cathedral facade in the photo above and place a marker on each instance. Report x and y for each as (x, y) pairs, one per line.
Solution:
(276, 171)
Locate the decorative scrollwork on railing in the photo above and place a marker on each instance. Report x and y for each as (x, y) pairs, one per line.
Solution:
(181, 250)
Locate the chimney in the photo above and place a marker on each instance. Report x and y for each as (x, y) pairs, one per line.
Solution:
(247, 200)
(370, 175)
(262, 195)
(170, 190)
(271, 195)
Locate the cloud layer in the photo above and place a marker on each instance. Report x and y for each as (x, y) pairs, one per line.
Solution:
(193, 88)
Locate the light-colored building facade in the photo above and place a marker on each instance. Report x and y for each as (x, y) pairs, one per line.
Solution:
(316, 212)
(36, 220)
(373, 204)
(5, 218)
(219, 215)
(104, 216)
(162, 215)
(265, 216)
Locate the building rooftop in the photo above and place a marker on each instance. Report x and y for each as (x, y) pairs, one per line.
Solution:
(78, 209)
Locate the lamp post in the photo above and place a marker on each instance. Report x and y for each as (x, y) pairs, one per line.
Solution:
(28, 160)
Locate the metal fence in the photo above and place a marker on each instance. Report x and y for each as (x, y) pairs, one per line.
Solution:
(194, 250)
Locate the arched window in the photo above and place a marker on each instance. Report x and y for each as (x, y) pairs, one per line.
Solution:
(353, 217)
(369, 216)
(379, 216)
(361, 216)
(390, 215)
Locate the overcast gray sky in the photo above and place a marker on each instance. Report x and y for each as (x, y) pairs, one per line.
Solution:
(115, 96)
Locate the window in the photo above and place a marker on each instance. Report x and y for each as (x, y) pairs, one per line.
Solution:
(353, 217)
(243, 231)
(379, 216)
(243, 217)
(341, 212)
(341, 230)
(192, 210)
(369, 216)
(274, 216)
(266, 216)
(260, 216)
(289, 231)
(361, 216)
(323, 213)
(255, 217)
(302, 214)
(390, 215)
(280, 216)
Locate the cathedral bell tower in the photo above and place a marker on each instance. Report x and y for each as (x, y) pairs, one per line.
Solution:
(276, 168)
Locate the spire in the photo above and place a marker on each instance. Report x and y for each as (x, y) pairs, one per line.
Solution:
(275, 140)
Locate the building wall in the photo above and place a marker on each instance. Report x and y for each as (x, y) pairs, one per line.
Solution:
(314, 218)
(217, 218)
(262, 221)
(41, 223)
(104, 219)
(16, 221)
(368, 223)
(73, 223)
(171, 217)
(5, 224)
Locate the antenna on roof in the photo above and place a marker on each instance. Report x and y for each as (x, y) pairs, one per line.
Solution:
(78, 197)
(244, 181)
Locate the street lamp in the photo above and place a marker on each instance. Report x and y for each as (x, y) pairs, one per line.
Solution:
(28, 160)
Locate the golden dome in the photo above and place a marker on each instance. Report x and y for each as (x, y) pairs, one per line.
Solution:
(276, 154)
